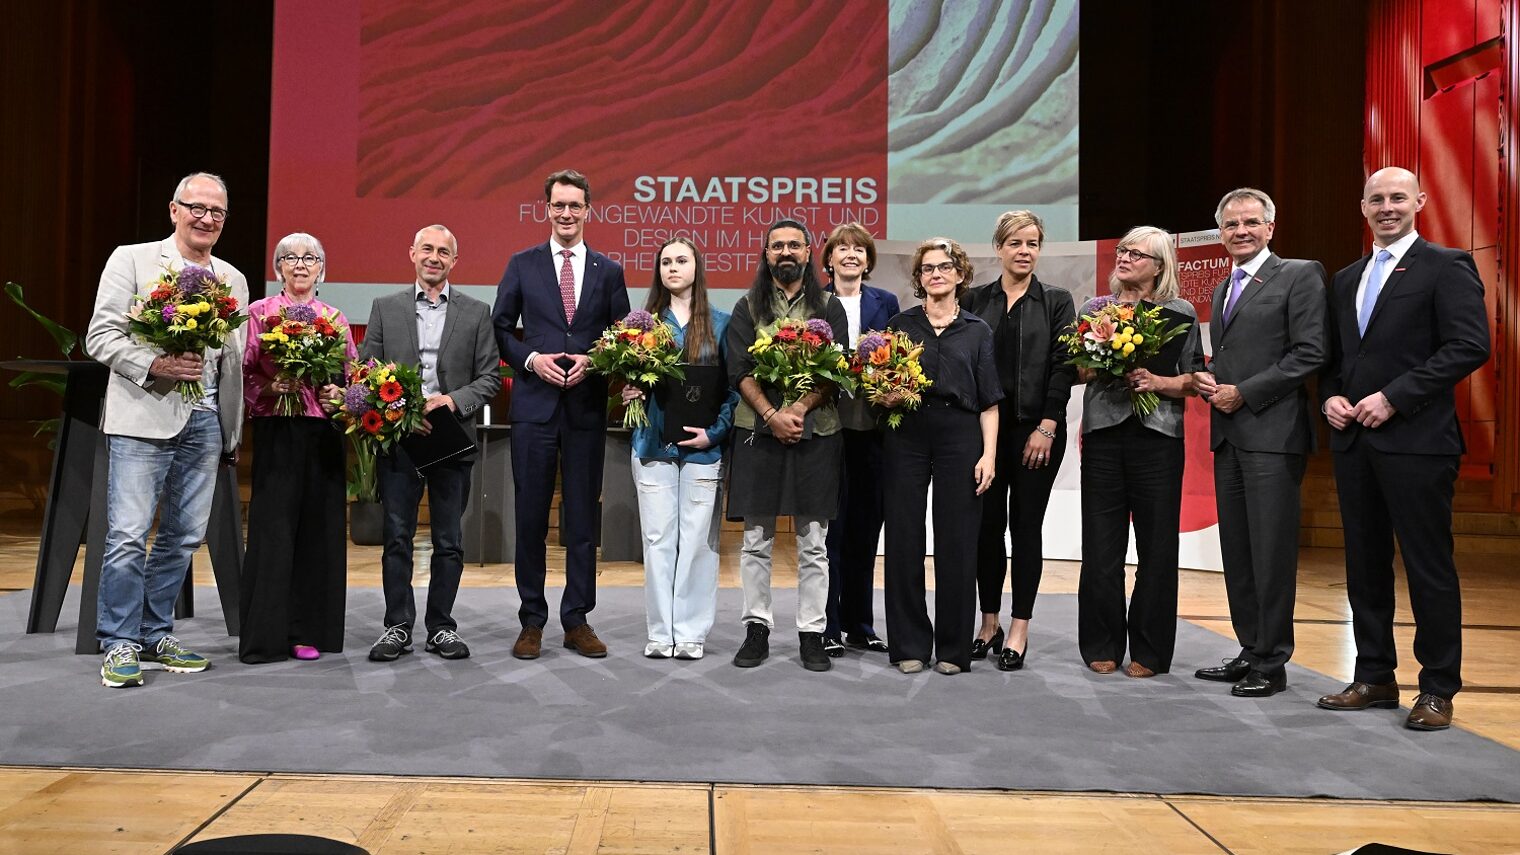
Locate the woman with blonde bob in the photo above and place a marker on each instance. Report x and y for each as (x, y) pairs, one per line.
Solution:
(951, 440)
(1132, 469)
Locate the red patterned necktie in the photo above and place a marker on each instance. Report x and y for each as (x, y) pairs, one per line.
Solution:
(567, 286)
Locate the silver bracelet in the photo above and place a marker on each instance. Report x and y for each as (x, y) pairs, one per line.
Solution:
(1040, 429)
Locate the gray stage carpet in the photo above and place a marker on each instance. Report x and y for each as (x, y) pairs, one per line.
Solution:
(1053, 726)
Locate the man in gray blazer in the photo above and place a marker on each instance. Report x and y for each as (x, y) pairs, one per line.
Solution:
(161, 445)
(1268, 329)
(450, 337)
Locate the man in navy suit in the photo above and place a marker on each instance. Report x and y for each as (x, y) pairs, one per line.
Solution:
(1407, 323)
(565, 294)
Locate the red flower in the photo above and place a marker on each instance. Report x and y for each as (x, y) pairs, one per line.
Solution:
(161, 293)
(786, 334)
(390, 390)
(373, 421)
(226, 306)
(812, 338)
(1084, 327)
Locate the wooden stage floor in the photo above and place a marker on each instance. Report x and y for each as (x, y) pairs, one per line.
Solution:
(99, 811)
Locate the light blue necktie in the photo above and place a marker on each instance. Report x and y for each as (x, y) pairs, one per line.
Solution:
(1374, 287)
(1237, 285)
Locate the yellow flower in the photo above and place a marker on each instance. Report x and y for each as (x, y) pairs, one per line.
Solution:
(190, 324)
(1118, 344)
(1128, 349)
(1139, 339)
(1129, 330)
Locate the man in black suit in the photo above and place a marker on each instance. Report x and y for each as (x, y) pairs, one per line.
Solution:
(1407, 323)
(565, 294)
(1268, 329)
(449, 335)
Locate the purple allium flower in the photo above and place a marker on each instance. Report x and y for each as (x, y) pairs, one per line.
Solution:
(871, 342)
(301, 313)
(356, 400)
(640, 320)
(168, 314)
(821, 328)
(194, 279)
(398, 404)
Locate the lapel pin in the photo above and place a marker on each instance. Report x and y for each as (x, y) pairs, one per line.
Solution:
(1398, 270)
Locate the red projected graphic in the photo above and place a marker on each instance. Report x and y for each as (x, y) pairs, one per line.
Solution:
(708, 119)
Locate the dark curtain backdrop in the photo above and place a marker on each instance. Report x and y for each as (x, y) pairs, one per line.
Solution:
(105, 107)
(1184, 101)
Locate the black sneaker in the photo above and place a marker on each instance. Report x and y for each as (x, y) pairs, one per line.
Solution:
(395, 642)
(814, 658)
(448, 644)
(833, 646)
(756, 647)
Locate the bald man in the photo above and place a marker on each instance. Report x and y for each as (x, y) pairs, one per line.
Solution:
(1407, 323)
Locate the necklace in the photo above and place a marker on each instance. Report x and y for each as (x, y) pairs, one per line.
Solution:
(946, 324)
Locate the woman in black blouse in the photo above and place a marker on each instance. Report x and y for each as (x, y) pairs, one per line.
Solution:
(951, 437)
(1027, 318)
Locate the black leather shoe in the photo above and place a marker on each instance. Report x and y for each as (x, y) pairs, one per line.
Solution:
(1232, 671)
(833, 647)
(1258, 685)
(1010, 660)
(872, 643)
(980, 648)
(756, 647)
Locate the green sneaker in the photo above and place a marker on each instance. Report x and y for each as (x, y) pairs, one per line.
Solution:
(121, 667)
(170, 655)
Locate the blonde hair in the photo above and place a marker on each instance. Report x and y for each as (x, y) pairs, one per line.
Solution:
(1014, 221)
(1158, 243)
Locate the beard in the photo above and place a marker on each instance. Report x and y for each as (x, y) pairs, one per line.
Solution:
(786, 271)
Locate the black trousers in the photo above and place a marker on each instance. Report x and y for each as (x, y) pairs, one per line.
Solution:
(1257, 495)
(941, 444)
(1407, 496)
(1015, 503)
(1129, 472)
(852, 538)
(448, 489)
(295, 574)
(539, 451)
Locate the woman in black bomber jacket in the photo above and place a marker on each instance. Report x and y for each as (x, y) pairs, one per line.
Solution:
(1026, 317)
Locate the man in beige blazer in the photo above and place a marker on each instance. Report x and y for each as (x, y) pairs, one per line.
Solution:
(164, 450)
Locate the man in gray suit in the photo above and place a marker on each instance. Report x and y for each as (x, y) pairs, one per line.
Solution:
(1268, 329)
(450, 336)
(162, 446)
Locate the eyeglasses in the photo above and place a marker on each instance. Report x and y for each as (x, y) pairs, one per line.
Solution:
(562, 207)
(943, 267)
(1232, 225)
(197, 211)
(786, 245)
(308, 259)
(1124, 252)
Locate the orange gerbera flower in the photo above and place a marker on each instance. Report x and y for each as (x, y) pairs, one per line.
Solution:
(390, 391)
(393, 415)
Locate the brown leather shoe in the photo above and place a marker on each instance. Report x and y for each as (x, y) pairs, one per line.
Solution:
(529, 642)
(1430, 712)
(1360, 696)
(1135, 669)
(583, 640)
(1104, 666)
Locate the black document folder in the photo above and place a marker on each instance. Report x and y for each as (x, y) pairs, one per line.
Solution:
(694, 401)
(449, 439)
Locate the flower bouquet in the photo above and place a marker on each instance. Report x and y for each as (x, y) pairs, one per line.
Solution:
(382, 404)
(886, 364)
(642, 350)
(1114, 338)
(304, 344)
(798, 355)
(190, 310)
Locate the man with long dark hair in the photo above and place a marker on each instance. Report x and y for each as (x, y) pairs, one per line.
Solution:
(786, 458)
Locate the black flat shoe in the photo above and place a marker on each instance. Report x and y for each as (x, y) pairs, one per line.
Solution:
(1010, 660)
(871, 643)
(833, 647)
(980, 648)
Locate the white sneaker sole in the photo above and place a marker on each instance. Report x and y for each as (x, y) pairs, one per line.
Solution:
(172, 669)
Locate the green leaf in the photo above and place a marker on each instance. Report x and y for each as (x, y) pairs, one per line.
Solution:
(65, 338)
(34, 378)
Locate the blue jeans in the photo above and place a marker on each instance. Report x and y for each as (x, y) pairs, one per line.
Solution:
(678, 512)
(138, 588)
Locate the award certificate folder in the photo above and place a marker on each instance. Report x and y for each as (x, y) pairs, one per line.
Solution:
(449, 439)
(693, 401)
